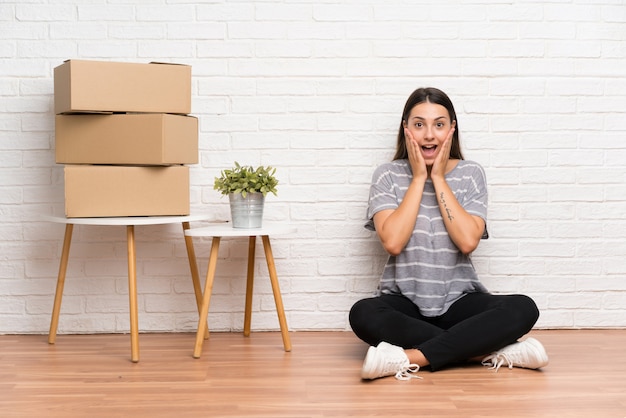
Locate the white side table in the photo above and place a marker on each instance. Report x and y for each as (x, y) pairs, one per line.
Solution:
(130, 223)
(226, 230)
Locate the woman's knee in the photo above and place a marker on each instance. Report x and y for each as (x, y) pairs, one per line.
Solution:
(525, 310)
(361, 321)
(359, 312)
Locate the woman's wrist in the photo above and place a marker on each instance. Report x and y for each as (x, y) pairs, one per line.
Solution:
(418, 181)
(438, 180)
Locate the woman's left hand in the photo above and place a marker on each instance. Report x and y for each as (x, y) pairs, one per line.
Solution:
(441, 162)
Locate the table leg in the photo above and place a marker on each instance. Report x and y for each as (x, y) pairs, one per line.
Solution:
(195, 275)
(249, 286)
(269, 257)
(206, 298)
(54, 322)
(132, 294)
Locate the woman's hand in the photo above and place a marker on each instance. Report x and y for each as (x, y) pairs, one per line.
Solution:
(441, 162)
(416, 160)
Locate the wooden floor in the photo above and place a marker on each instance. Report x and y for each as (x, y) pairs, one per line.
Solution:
(92, 376)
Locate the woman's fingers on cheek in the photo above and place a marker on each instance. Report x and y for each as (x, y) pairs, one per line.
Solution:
(448, 142)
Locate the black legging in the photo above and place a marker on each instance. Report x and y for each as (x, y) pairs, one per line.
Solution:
(475, 325)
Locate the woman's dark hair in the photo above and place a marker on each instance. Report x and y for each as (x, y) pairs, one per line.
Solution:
(430, 95)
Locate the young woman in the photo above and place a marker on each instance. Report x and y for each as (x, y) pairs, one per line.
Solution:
(429, 209)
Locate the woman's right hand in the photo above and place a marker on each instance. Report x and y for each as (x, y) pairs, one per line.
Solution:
(416, 160)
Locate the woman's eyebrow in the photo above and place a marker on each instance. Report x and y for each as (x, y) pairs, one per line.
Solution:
(421, 118)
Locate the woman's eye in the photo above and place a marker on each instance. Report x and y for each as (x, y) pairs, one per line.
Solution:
(419, 124)
(440, 125)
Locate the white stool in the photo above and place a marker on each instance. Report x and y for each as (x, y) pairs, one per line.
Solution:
(130, 223)
(226, 230)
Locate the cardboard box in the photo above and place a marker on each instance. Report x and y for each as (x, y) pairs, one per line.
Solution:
(99, 86)
(104, 191)
(126, 139)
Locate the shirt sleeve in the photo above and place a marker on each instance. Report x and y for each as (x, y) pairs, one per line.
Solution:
(475, 200)
(382, 194)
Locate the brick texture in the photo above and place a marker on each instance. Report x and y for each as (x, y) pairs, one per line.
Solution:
(316, 90)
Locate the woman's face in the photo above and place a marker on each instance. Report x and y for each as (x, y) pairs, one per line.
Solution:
(429, 123)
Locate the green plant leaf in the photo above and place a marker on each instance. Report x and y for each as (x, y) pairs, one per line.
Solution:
(247, 179)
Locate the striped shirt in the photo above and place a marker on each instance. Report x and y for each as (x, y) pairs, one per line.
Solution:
(430, 271)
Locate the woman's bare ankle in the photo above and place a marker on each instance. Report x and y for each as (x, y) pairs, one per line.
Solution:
(415, 356)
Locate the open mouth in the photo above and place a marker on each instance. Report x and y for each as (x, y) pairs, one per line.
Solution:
(429, 150)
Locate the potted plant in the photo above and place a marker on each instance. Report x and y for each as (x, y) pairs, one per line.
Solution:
(246, 188)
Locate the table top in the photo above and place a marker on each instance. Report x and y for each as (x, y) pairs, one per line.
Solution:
(226, 229)
(132, 220)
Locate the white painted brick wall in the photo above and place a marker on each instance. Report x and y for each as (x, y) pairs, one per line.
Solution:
(316, 89)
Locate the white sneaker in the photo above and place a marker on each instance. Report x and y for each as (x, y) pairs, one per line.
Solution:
(386, 360)
(528, 354)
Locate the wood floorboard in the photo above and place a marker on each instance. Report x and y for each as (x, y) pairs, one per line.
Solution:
(92, 376)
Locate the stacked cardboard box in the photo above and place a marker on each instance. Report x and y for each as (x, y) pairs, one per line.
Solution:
(124, 134)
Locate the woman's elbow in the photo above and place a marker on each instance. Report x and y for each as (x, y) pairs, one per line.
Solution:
(393, 248)
(467, 240)
(468, 246)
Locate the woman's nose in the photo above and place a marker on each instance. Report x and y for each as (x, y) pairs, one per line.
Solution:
(430, 132)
